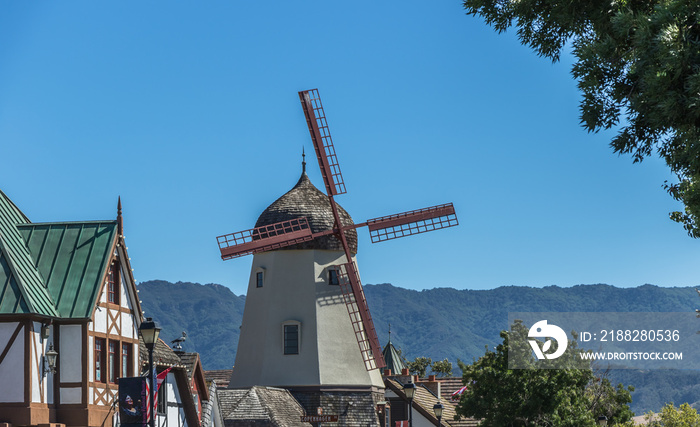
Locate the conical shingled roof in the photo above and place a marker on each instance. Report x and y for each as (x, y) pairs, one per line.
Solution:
(305, 200)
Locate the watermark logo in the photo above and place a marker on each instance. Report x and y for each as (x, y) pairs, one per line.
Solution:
(542, 330)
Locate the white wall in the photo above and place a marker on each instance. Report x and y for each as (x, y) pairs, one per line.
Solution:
(70, 395)
(36, 346)
(175, 411)
(12, 367)
(100, 319)
(296, 289)
(71, 353)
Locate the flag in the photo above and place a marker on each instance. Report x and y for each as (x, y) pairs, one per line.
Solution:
(159, 380)
(458, 393)
(401, 423)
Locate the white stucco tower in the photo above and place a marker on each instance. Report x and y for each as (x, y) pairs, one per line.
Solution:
(296, 331)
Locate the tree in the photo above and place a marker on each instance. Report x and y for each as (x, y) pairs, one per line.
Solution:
(419, 366)
(560, 396)
(442, 368)
(638, 68)
(670, 416)
(500, 396)
(613, 402)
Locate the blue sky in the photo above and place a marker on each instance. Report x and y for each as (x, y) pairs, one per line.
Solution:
(189, 112)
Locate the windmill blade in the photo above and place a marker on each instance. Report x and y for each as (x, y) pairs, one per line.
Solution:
(265, 238)
(323, 144)
(360, 317)
(412, 222)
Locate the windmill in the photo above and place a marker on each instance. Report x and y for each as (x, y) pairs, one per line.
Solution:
(290, 232)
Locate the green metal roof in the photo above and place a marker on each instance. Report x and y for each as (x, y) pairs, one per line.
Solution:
(53, 269)
(72, 258)
(392, 359)
(19, 274)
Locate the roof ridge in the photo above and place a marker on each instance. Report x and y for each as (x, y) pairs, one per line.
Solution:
(14, 206)
(10, 264)
(95, 221)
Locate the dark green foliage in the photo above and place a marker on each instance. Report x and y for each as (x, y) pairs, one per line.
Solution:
(419, 366)
(613, 402)
(500, 396)
(638, 69)
(442, 368)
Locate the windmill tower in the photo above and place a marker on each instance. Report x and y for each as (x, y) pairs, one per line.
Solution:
(306, 325)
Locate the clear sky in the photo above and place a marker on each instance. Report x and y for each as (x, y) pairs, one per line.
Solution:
(189, 112)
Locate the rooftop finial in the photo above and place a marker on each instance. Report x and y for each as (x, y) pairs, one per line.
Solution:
(303, 160)
(120, 222)
(389, 332)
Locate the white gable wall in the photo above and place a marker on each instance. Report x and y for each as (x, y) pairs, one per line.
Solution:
(12, 367)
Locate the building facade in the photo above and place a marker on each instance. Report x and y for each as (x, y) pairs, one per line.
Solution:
(66, 288)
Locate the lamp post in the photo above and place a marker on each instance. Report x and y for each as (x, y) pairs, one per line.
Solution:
(409, 390)
(149, 332)
(602, 420)
(438, 408)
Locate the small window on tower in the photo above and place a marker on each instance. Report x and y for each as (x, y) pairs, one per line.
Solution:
(291, 339)
(333, 277)
(259, 279)
(113, 283)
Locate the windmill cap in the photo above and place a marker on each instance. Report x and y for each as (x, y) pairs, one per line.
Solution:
(305, 200)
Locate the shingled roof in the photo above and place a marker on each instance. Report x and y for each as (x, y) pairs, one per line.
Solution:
(260, 406)
(221, 376)
(305, 200)
(163, 355)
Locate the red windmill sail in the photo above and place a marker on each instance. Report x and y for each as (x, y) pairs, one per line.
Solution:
(278, 235)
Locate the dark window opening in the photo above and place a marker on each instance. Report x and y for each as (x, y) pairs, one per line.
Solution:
(127, 362)
(113, 361)
(259, 279)
(99, 360)
(113, 283)
(291, 339)
(162, 397)
(333, 277)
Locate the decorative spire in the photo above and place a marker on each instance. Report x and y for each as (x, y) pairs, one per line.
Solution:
(303, 160)
(389, 332)
(120, 221)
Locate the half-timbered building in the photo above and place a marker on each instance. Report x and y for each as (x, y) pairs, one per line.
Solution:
(65, 288)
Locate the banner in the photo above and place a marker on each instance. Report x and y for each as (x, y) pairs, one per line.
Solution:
(133, 402)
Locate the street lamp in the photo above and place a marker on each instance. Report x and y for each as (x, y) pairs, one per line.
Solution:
(438, 408)
(149, 332)
(409, 390)
(602, 420)
(51, 360)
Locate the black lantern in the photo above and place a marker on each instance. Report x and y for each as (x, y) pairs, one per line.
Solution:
(438, 408)
(602, 420)
(149, 333)
(409, 390)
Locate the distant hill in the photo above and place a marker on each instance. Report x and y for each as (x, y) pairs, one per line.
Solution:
(438, 323)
